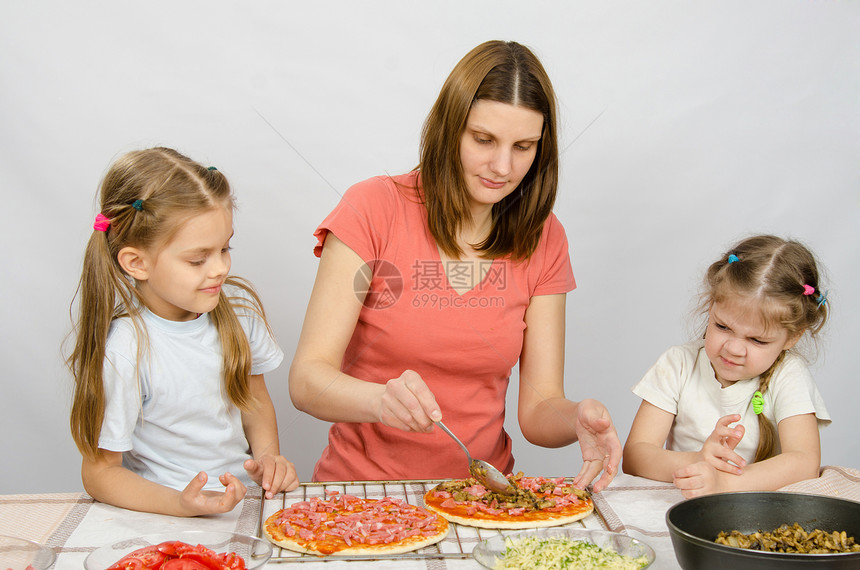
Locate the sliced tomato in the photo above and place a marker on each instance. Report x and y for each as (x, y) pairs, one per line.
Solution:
(208, 558)
(233, 561)
(177, 555)
(126, 563)
(176, 548)
(184, 564)
(146, 558)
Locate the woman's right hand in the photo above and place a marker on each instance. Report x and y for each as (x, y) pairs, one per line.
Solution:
(408, 404)
(719, 449)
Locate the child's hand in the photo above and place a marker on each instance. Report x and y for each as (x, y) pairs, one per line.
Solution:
(696, 479)
(196, 501)
(273, 473)
(719, 449)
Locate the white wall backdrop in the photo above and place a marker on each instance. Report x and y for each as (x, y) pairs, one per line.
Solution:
(686, 125)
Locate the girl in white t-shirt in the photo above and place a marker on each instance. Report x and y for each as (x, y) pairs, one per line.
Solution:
(738, 410)
(170, 352)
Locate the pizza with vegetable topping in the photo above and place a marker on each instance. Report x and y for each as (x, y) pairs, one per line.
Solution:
(539, 502)
(349, 525)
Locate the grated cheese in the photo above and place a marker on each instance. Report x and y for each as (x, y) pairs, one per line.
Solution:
(554, 553)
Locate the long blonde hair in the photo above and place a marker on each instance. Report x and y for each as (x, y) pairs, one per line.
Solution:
(774, 273)
(146, 195)
(506, 72)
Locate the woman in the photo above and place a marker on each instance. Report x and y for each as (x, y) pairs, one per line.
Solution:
(433, 284)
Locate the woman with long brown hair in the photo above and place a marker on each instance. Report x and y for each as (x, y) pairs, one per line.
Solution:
(433, 284)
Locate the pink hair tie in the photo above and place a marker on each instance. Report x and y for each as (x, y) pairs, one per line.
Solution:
(808, 290)
(102, 223)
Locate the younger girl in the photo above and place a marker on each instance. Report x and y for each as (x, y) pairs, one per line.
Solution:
(761, 297)
(170, 351)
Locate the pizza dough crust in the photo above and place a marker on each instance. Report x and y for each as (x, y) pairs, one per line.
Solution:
(274, 531)
(408, 545)
(504, 521)
(513, 524)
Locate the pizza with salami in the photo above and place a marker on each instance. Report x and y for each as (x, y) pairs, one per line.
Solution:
(539, 502)
(348, 525)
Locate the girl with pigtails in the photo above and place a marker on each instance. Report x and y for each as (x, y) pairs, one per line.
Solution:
(170, 351)
(738, 410)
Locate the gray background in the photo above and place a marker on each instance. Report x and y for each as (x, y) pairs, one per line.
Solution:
(685, 125)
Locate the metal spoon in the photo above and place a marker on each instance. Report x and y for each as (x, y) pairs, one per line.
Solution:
(486, 474)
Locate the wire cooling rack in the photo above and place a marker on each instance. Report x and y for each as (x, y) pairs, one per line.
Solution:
(457, 545)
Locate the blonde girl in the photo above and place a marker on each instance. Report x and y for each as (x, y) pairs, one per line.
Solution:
(738, 409)
(170, 352)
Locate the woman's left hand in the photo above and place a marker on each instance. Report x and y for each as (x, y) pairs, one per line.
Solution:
(601, 448)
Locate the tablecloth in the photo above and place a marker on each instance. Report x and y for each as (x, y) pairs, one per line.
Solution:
(73, 524)
(637, 507)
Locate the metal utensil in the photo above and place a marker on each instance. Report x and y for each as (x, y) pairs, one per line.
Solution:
(486, 474)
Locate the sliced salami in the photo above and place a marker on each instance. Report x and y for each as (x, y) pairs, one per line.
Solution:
(349, 525)
(539, 502)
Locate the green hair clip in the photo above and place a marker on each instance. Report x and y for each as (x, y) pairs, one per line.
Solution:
(758, 402)
(211, 168)
(137, 205)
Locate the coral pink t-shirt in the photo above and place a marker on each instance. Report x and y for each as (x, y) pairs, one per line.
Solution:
(463, 346)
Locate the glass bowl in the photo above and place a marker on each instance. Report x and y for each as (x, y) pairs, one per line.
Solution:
(256, 552)
(18, 554)
(487, 552)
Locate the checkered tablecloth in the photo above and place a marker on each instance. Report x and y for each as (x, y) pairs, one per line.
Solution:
(73, 524)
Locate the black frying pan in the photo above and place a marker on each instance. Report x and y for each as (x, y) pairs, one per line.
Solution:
(694, 524)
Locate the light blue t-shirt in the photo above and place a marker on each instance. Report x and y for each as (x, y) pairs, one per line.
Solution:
(172, 418)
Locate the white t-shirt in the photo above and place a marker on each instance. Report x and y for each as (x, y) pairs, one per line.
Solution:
(172, 418)
(683, 383)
